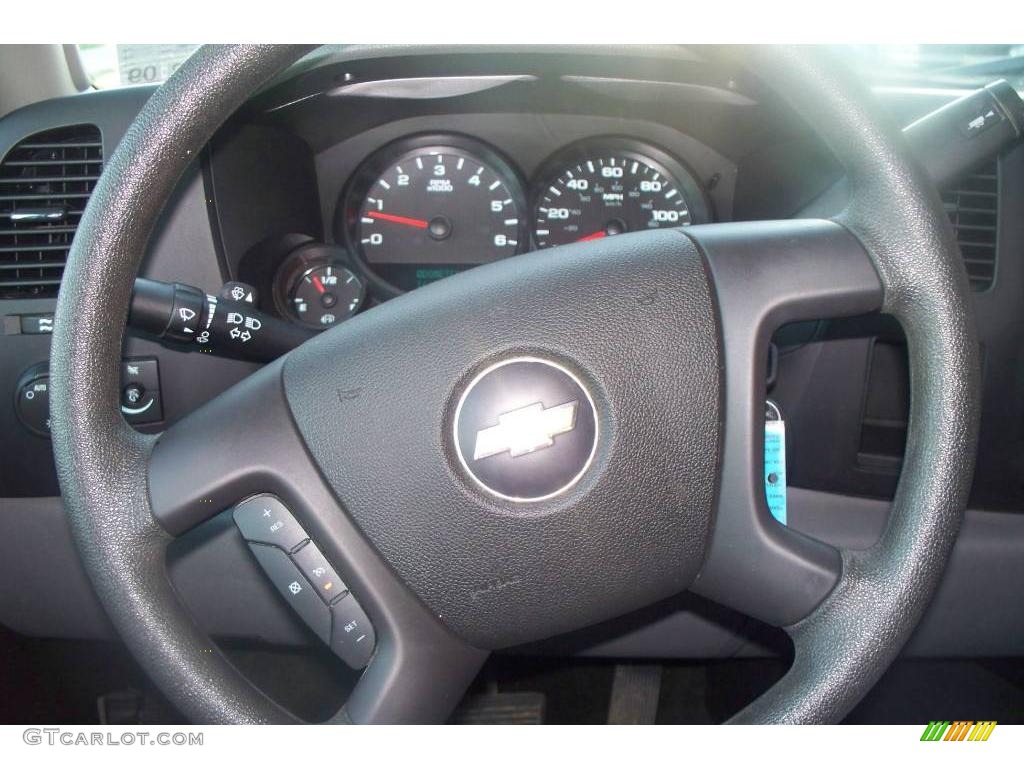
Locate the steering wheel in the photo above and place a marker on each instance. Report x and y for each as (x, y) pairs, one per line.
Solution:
(535, 445)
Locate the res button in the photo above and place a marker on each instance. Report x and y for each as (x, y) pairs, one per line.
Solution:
(264, 519)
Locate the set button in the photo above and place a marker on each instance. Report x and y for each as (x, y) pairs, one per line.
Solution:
(352, 637)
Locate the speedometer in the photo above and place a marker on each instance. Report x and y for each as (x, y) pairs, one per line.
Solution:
(596, 191)
(420, 211)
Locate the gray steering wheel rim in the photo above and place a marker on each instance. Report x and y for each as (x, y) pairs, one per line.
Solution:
(841, 649)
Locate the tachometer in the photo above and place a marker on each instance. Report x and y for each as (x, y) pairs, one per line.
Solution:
(596, 191)
(422, 211)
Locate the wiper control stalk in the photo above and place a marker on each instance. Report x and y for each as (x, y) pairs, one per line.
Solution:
(189, 319)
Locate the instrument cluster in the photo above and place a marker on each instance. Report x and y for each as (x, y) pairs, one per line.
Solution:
(428, 206)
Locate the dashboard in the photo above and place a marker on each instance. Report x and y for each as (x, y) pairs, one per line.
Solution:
(364, 173)
(416, 197)
(429, 205)
(462, 204)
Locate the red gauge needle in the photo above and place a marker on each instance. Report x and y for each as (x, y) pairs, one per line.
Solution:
(592, 236)
(319, 285)
(418, 223)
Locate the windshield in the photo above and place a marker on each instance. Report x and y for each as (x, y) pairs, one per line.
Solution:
(937, 66)
(940, 66)
(111, 65)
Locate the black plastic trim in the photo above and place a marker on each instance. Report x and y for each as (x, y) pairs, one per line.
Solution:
(766, 274)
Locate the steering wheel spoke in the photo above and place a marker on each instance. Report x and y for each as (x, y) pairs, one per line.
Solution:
(244, 445)
(766, 274)
(239, 444)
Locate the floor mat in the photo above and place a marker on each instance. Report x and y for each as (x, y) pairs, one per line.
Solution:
(911, 692)
(916, 692)
(634, 694)
(510, 708)
(61, 681)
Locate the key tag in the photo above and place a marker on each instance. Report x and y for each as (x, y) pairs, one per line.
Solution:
(775, 461)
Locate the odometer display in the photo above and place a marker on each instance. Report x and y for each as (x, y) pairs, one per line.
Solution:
(607, 193)
(432, 211)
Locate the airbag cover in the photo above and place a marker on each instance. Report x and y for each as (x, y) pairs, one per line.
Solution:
(632, 319)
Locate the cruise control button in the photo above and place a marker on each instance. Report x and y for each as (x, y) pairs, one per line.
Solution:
(352, 637)
(294, 588)
(322, 576)
(266, 520)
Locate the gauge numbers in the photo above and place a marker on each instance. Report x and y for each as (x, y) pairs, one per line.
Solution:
(606, 195)
(325, 295)
(435, 211)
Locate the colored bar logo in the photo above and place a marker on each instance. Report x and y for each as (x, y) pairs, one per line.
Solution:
(958, 730)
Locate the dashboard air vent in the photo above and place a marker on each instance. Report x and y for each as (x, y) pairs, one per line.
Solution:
(45, 182)
(973, 209)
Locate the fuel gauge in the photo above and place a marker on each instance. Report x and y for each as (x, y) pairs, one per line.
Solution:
(325, 295)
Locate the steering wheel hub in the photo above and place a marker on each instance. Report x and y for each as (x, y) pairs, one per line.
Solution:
(525, 429)
(564, 446)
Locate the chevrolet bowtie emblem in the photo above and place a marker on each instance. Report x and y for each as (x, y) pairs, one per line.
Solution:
(525, 430)
(501, 417)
